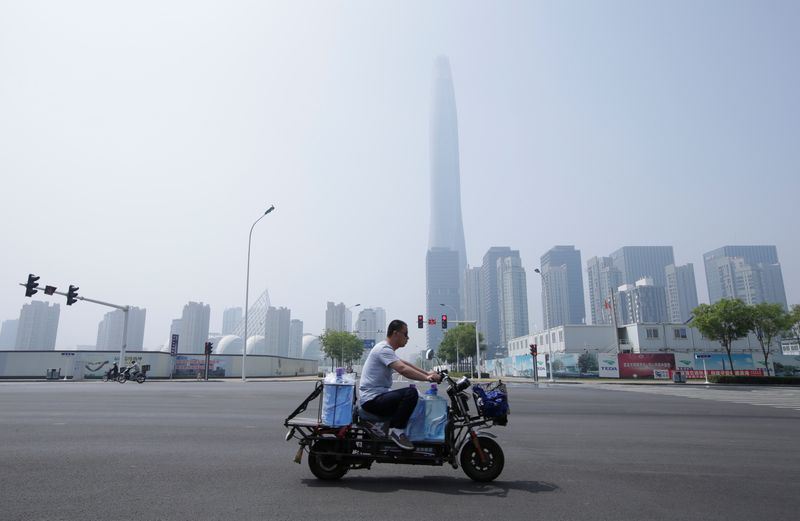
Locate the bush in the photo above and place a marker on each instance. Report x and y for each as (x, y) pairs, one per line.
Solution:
(753, 380)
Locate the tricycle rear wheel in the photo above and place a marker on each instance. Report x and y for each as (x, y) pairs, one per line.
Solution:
(488, 469)
(326, 466)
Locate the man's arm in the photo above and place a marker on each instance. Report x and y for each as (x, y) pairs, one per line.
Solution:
(413, 373)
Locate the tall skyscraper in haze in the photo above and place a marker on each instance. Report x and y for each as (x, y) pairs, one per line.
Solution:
(603, 280)
(8, 334)
(489, 322)
(194, 327)
(681, 292)
(37, 327)
(642, 303)
(636, 262)
(230, 319)
(471, 298)
(276, 335)
(371, 324)
(296, 338)
(446, 227)
(562, 305)
(749, 273)
(442, 282)
(109, 331)
(513, 298)
(337, 317)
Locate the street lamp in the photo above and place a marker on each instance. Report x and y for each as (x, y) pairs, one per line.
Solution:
(549, 340)
(247, 291)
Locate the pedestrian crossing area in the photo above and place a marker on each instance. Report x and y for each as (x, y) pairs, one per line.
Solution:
(788, 398)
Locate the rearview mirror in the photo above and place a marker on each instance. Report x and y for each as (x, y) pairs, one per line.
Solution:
(429, 354)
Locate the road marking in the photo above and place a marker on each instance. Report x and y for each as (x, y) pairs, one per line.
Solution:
(777, 398)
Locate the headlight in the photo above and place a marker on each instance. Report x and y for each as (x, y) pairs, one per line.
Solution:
(462, 384)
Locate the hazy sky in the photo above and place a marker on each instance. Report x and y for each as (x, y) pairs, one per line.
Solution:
(140, 140)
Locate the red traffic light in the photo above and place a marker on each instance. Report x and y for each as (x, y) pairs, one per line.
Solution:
(444, 321)
(420, 321)
(533, 350)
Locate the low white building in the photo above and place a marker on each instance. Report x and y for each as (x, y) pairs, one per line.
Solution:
(630, 338)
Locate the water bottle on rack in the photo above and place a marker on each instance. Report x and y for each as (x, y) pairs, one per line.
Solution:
(435, 414)
(415, 428)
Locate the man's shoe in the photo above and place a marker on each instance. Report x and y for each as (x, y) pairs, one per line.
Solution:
(399, 438)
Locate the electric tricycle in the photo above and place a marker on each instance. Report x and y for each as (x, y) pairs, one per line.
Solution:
(334, 451)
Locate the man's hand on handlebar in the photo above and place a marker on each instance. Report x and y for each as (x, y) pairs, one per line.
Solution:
(434, 377)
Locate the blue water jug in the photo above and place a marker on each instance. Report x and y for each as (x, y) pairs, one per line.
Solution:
(435, 415)
(337, 404)
(415, 428)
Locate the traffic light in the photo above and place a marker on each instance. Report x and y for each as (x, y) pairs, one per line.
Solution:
(31, 285)
(444, 321)
(209, 347)
(420, 321)
(72, 295)
(533, 350)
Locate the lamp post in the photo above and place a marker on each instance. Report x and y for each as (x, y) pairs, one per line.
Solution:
(549, 340)
(247, 291)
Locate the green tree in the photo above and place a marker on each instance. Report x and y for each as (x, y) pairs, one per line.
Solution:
(769, 321)
(342, 346)
(462, 339)
(794, 319)
(587, 363)
(724, 321)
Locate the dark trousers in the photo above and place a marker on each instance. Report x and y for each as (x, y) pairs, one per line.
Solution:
(397, 404)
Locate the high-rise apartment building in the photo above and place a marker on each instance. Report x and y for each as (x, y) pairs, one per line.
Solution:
(603, 279)
(37, 327)
(442, 283)
(8, 334)
(681, 292)
(637, 262)
(513, 298)
(749, 273)
(296, 338)
(471, 298)
(444, 278)
(231, 318)
(337, 317)
(642, 303)
(109, 331)
(489, 321)
(194, 324)
(276, 335)
(371, 324)
(571, 310)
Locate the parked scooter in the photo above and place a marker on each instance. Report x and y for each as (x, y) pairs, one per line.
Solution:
(333, 451)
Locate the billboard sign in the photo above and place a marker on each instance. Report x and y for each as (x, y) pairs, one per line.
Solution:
(790, 348)
(632, 365)
(173, 345)
(609, 365)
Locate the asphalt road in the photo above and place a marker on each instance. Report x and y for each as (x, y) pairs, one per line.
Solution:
(215, 450)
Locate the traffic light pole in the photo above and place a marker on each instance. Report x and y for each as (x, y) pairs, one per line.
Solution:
(125, 309)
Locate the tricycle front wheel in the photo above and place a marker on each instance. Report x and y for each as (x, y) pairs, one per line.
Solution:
(490, 467)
